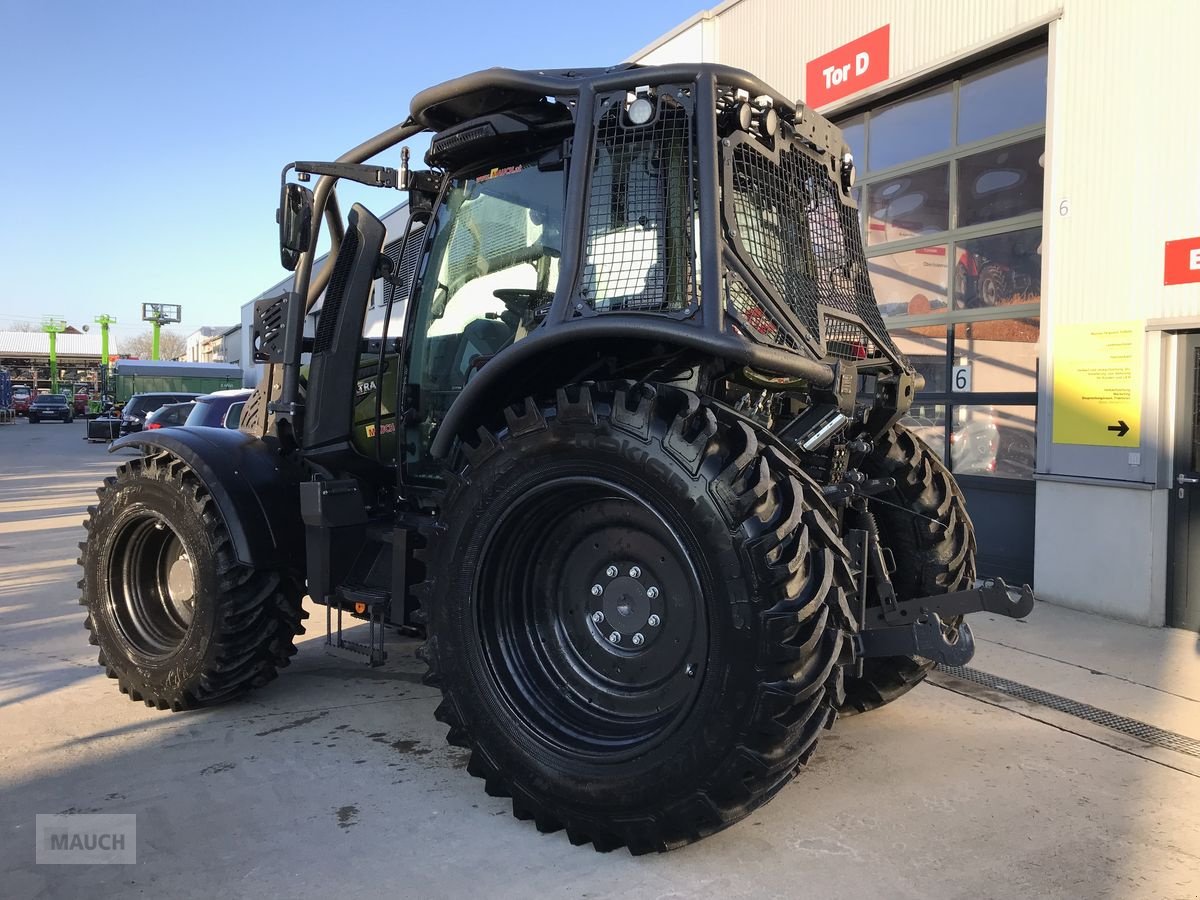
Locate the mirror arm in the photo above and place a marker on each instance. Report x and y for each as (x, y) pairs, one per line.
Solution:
(288, 408)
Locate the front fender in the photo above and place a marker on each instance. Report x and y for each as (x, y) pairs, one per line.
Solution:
(255, 488)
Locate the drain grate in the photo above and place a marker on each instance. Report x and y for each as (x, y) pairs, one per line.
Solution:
(1143, 731)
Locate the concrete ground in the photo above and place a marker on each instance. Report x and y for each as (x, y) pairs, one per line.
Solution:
(336, 781)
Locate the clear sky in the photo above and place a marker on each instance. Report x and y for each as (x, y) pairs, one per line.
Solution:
(141, 142)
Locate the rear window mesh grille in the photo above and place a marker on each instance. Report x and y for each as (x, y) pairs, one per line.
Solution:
(845, 339)
(793, 228)
(755, 319)
(641, 212)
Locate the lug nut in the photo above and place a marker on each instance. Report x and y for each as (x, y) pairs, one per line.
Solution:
(638, 640)
(651, 592)
(615, 637)
(611, 571)
(691, 670)
(597, 617)
(597, 590)
(653, 621)
(635, 572)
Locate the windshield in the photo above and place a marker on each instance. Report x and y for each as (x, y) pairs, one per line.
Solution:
(51, 400)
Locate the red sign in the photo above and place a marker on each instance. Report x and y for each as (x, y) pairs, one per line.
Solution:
(848, 69)
(1182, 262)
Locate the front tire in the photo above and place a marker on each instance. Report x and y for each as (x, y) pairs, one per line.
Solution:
(931, 537)
(180, 623)
(609, 516)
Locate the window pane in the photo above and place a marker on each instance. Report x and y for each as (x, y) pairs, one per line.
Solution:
(910, 283)
(909, 206)
(994, 440)
(1009, 96)
(1000, 184)
(1002, 355)
(999, 270)
(855, 132)
(910, 129)
(928, 422)
(925, 347)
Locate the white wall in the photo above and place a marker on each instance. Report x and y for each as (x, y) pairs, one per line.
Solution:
(1103, 549)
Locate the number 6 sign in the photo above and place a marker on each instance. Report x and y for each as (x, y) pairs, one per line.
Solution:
(961, 380)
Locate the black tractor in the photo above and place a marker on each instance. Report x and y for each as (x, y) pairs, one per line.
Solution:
(614, 426)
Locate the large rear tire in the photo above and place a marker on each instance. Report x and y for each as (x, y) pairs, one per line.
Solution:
(934, 552)
(637, 616)
(179, 621)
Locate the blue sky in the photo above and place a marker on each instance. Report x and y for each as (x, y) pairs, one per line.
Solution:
(142, 141)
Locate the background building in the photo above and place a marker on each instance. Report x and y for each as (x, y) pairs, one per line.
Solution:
(1029, 188)
(26, 355)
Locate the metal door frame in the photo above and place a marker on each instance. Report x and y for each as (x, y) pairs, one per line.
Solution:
(1184, 393)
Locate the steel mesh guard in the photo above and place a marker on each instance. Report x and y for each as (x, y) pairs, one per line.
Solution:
(641, 212)
(755, 319)
(789, 223)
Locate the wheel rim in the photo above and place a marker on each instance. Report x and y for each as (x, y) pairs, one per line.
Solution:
(152, 586)
(591, 618)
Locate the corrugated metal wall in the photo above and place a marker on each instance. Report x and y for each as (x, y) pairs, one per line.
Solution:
(775, 38)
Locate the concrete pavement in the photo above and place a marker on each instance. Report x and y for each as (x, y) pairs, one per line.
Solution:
(336, 781)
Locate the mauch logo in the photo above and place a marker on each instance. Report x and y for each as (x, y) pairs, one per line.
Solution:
(86, 839)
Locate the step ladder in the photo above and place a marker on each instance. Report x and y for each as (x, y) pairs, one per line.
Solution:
(371, 602)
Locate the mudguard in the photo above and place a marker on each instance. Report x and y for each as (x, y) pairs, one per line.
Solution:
(255, 487)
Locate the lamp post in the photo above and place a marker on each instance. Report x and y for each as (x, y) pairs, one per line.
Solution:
(158, 315)
(53, 326)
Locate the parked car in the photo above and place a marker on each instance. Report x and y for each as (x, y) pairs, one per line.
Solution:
(170, 416)
(220, 409)
(22, 396)
(133, 416)
(51, 406)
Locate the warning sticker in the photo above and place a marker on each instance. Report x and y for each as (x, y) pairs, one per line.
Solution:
(1098, 383)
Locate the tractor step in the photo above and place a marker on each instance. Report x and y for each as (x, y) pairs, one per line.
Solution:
(364, 601)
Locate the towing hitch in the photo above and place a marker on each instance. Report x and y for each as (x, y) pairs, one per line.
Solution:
(916, 627)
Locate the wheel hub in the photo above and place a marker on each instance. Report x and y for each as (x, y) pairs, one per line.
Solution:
(630, 609)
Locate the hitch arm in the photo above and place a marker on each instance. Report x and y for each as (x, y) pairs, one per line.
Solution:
(916, 628)
(989, 595)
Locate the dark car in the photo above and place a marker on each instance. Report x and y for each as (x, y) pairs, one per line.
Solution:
(220, 409)
(133, 416)
(51, 406)
(169, 416)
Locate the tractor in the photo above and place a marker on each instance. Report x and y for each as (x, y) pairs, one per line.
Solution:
(614, 427)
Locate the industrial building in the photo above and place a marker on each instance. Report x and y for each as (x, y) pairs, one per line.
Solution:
(1028, 188)
(26, 356)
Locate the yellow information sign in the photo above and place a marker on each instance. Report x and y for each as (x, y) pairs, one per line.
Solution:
(1098, 383)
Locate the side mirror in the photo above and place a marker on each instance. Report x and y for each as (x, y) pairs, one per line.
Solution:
(295, 223)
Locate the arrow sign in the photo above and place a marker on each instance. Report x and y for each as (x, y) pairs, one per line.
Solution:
(1120, 428)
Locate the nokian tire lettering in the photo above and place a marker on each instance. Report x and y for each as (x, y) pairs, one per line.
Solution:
(242, 621)
(932, 557)
(772, 581)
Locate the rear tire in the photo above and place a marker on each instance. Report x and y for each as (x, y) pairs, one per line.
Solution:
(651, 743)
(180, 623)
(935, 557)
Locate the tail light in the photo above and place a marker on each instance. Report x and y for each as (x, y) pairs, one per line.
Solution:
(152, 426)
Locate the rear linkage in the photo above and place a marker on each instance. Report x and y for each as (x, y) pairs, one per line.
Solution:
(889, 627)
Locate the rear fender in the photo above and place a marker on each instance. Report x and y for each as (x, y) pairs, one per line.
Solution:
(255, 488)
